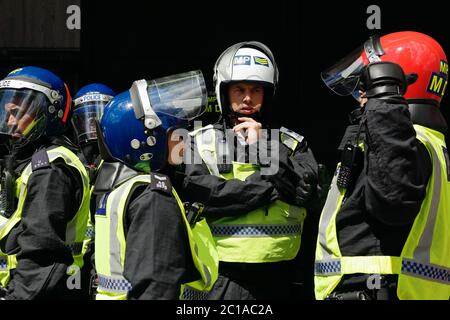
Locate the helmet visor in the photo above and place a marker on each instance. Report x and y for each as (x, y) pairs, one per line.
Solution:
(21, 112)
(343, 77)
(83, 120)
(182, 96)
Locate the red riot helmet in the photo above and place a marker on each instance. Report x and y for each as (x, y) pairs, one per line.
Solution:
(421, 57)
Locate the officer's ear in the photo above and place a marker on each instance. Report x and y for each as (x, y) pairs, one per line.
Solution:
(102, 147)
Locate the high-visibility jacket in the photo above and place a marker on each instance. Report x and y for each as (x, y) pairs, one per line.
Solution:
(90, 229)
(423, 267)
(75, 229)
(267, 234)
(110, 246)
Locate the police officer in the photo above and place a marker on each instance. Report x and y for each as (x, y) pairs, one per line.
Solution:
(89, 103)
(383, 232)
(253, 183)
(146, 245)
(44, 189)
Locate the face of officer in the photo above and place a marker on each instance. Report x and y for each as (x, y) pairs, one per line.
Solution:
(17, 121)
(246, 98)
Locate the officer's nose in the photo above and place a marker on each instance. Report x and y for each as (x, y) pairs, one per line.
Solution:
(11, 112)
(247, 98)
(12, 121)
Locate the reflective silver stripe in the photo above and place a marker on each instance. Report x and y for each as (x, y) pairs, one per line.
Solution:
(426, 271)
(331, 205)
(75, 248)
(194, 294)
(208, 138)
(211, 162)
(207, 275)
(114, 284)
(114, 243)
(205, 268)
(3, 222)
(259, 230)
(288, 141)
(422, 251)
(327, 267)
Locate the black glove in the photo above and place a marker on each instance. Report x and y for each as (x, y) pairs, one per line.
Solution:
(318, 193)
(306, 187)
(383, 80)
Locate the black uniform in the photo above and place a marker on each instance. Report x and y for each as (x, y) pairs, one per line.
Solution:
(158, 258)
(293, 183)
(54, 195)
(378, 211)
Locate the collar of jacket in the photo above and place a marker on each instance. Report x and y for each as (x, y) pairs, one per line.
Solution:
(427, 115)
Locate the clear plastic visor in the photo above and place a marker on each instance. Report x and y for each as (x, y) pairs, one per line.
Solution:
(183, 96)
(343, 77)
(20, 111)
(83, 120)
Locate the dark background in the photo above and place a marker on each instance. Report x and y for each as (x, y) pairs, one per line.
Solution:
(120, 42)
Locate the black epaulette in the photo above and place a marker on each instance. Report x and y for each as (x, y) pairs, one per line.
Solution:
(160, 182)
(40, 160)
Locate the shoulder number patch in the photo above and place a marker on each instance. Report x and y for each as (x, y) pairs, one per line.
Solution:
(161, 182)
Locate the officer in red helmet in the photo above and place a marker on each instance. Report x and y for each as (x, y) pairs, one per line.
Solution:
(383, 232)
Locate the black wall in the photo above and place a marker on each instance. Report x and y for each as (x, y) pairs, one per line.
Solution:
(128, 40)
(135, 39)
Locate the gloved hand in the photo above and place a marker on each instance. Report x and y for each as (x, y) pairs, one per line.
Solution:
(383, 80)
(315, 201)
(306, 187)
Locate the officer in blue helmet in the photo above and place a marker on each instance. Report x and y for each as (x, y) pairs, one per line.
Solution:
(89, 103)
(146, 245)
(44, 188)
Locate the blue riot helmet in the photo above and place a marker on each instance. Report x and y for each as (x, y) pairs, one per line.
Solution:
(34, 102)
(136, 123)
(89, 103)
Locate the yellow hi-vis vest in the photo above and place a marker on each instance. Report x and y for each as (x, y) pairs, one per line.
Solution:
(423, 267)
(90, 230)
(110, 246)
(75, 229)
(267, 234)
